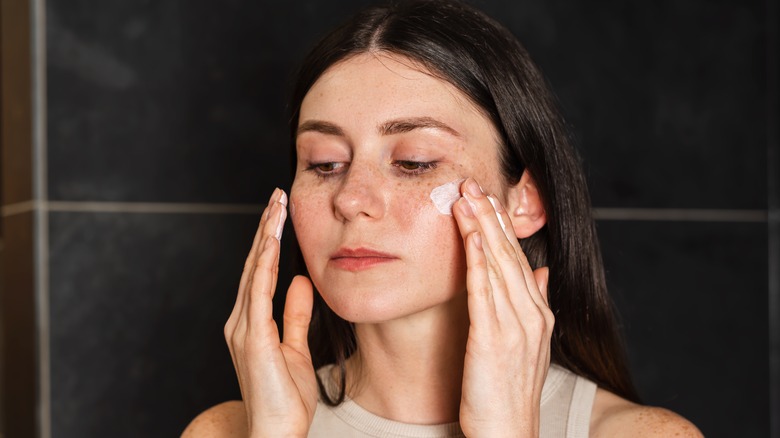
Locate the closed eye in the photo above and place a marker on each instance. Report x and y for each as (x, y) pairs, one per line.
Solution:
(326, 169)
(414, 167)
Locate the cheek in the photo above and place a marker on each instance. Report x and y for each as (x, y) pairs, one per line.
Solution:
(440, 256)
(412, 206)
(433, 236)
(307, 212)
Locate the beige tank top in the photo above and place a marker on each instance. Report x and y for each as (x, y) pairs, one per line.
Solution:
(567, 400)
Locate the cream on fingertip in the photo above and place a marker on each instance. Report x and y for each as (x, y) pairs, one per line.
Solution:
(498, 215)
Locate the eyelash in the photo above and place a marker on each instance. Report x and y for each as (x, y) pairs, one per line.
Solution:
(420, 167)
(316, 169)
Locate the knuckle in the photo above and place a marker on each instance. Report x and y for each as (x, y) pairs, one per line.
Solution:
(259, 263)
(484, 207)
(234, 345)
(266, 266)
(494, 273)
(520, 255)
(548, 314)
(504, 251)
(296, 320)
(550, 319)
(535, 324)
(481, 291)
(231, 325)
(479, 262)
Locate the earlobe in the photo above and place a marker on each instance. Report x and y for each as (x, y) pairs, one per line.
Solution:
(526, 207)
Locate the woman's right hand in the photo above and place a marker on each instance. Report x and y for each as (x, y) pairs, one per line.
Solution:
(277, 379)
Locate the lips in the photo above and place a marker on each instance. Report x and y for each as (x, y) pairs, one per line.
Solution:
(357, 259)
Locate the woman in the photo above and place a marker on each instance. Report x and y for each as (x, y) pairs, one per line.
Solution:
(444, 221)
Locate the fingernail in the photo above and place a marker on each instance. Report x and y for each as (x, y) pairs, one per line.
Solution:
(468, 197)
(283, 198)
(280, 225)
(497, 207)
(477, 239)
(473, 188)
(466, 208)
(274, 195)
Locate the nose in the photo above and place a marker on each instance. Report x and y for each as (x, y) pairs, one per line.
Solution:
(360, 194)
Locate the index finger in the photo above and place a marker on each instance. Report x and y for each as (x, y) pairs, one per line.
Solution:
(250, 264)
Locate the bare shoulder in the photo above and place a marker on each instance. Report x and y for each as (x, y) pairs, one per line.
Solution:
(614, 416)
(221, 421)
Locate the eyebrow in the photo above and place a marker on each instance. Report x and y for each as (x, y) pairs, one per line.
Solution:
(320, 126)
(391, 127)
(400, 126)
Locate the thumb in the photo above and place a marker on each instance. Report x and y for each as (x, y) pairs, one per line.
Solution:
(297, 314)
(542, 276)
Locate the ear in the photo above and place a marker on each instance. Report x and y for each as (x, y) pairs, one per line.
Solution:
(525, 207)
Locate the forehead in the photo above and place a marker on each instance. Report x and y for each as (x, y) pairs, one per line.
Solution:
(372, 87)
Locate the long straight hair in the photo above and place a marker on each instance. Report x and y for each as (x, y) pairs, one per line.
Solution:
(481, 58)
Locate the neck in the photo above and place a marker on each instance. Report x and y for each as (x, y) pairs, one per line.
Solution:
(411, 369)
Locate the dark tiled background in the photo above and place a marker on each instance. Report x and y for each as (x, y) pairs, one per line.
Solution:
(137, 306)
(158, 101)
(667, 99)
(184, 102)
(173, 101)
(692, 298)
(134, 306)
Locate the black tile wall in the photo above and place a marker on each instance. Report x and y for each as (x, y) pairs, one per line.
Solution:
(183, 101)
(693, 302)
(172, 101)
(138, 303)
(666, 98)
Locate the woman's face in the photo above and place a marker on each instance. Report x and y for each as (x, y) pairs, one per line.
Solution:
(376, 134)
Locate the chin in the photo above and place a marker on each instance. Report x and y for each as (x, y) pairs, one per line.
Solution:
(365, 306)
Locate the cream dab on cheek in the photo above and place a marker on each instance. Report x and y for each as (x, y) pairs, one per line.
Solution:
(445, 195)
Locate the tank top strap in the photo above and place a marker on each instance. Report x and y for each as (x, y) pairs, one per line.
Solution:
(566, 404)
(580, 408)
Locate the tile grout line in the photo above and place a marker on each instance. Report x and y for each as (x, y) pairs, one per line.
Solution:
(41, 215)
(153, 207)
(773, 203)
(607, 214)
(679, 214)
(129, 207)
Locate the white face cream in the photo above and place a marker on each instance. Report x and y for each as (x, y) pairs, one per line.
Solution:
(445, 195)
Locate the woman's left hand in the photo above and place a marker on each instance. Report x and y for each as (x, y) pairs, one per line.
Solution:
(508, 347)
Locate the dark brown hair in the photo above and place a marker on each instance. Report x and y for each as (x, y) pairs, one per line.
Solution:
(485, 61)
